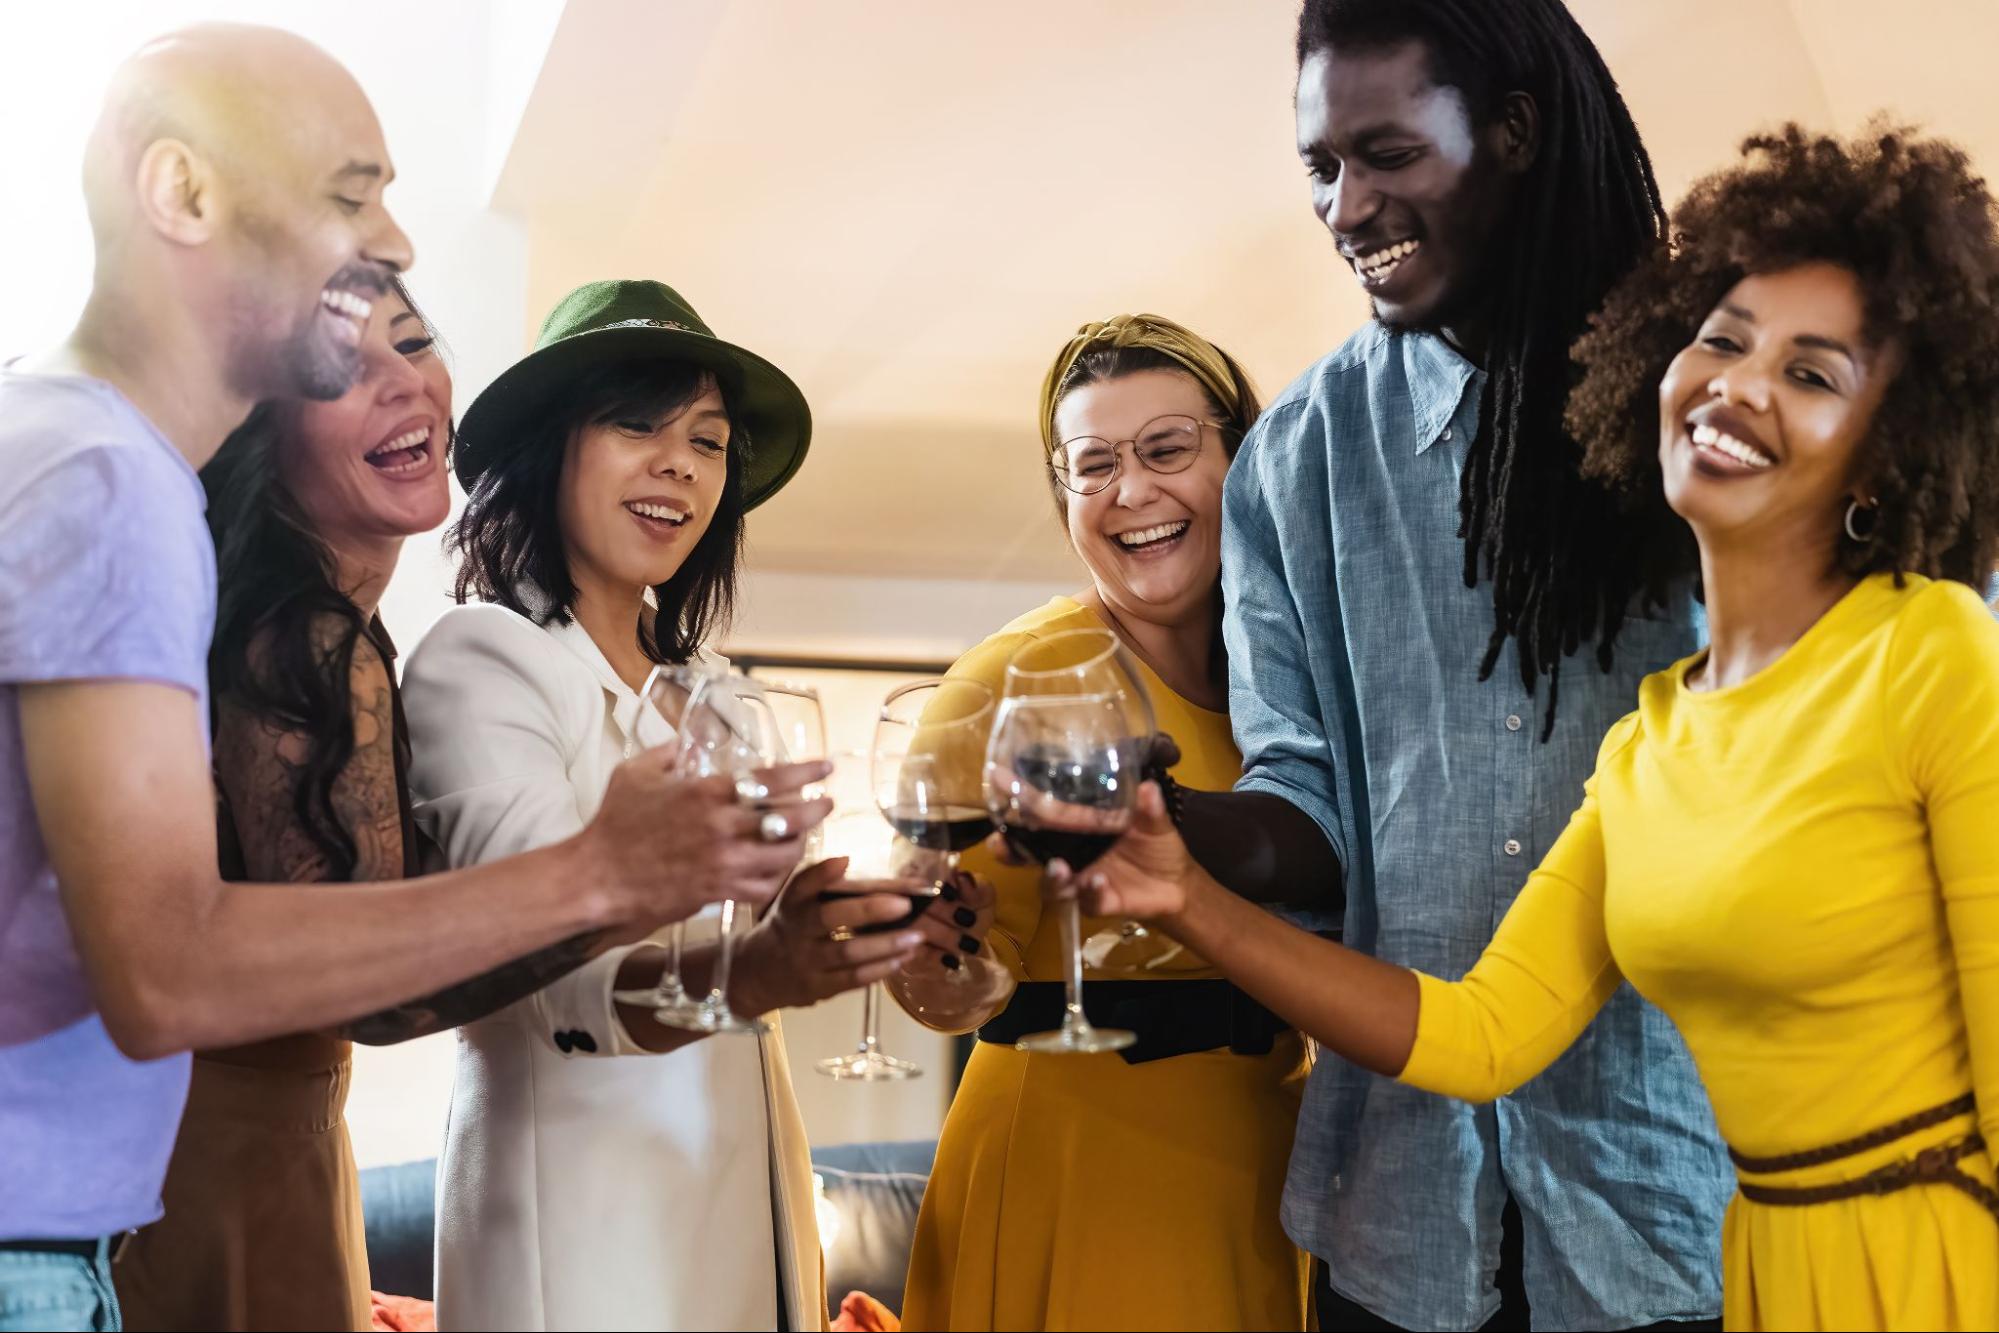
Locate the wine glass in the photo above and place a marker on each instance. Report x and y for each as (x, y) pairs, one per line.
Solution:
(728, 727)
(928, 765)
(1062, 775)
(670, 687)
(928, 753)
(800, 721)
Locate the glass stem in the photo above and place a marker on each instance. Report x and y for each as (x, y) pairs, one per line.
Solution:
(870, 1017)
(719, 992)
(674, 985)
(1072, 946)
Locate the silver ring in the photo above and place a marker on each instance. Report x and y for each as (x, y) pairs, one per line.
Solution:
(774, 827)
(751, 792)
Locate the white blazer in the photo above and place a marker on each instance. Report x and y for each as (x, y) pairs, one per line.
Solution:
(586, 1183)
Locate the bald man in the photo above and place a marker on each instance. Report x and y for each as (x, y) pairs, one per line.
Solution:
(235, 190)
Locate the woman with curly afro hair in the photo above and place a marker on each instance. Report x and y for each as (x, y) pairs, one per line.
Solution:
(1792, 846)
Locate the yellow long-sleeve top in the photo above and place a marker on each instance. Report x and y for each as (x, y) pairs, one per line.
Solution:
(1802, 870)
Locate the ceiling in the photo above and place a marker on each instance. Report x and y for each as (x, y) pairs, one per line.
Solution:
(909, 205)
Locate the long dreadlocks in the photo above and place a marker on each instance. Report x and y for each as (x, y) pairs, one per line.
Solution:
(1566, 559)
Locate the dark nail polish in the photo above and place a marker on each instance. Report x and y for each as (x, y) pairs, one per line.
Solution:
(965, 917)
(968, 944)
(951, 962)
(950, 891)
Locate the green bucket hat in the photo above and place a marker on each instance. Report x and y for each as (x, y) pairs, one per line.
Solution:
(624, 320)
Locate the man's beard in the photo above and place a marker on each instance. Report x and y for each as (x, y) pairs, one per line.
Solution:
(313, 364)
(314, 361)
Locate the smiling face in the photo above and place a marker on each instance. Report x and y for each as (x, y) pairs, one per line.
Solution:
(1763, 417)
(309, 246)
(1152, 541)
(368, 467)
(1412, 190)
(637, 493)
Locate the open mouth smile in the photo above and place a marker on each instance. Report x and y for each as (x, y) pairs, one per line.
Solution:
(1717, 442)
(659, 517)
(404, 454)
(1376, 267)
(1159, 537)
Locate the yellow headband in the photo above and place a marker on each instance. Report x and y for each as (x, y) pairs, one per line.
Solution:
(1195, 354)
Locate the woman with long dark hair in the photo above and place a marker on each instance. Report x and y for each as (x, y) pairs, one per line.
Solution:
(608, 475)
(309, 504)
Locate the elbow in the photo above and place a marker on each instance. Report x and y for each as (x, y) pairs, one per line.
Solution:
(147, 1022)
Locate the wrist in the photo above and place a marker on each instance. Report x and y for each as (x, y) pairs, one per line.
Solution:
(1195, 916)
(753, 981)
(608, 899)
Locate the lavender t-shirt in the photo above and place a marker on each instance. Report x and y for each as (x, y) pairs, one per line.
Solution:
(106, 572)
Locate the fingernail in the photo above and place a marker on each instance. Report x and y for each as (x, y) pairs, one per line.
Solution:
(950, 894)
(910, 939)
(951, 962)
(968, 944)
(966, 917)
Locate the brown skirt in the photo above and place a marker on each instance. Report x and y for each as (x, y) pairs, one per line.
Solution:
(263, 1204)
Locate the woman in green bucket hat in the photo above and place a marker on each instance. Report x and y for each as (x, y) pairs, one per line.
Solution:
(608, 473)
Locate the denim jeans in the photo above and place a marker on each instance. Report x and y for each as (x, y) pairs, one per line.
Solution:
(63, 1293)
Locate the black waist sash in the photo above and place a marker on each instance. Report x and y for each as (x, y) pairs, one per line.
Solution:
(1170, 1017)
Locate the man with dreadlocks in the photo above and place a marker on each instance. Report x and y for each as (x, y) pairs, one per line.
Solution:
(1412, 561)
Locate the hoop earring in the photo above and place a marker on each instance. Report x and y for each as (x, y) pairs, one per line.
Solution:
(1854, 509)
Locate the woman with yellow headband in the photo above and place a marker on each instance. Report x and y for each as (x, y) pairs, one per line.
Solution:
(1168, 1158)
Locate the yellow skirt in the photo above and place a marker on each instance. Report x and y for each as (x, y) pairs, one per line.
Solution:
(1923, 1257)
(1082, 1192)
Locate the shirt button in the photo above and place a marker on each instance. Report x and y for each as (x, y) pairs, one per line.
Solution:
(1513, 846)
(1447, 433)
(1513, 721)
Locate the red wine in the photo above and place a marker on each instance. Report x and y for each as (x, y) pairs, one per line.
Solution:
(920, 900)
(1047, 844)
(950, 828)
(1087, 780)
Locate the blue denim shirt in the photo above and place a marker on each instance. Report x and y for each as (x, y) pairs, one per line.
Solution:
(1353, 656)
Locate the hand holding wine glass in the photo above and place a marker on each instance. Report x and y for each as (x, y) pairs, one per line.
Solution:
(955, 931)
(928, 769)
(1063, 769)
(729, 841)
(711, 850)
(828, 934)
(730, 733)
(1146, 875)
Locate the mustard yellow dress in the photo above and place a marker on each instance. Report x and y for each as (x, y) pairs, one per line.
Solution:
(1082, 1192)
(1802, 870)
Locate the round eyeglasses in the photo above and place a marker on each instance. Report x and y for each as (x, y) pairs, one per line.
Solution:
(1168, 444)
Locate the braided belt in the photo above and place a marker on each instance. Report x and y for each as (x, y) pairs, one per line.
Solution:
(1932, 1166)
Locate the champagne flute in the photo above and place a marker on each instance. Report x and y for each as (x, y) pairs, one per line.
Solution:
(728, 728)
(1063, 770)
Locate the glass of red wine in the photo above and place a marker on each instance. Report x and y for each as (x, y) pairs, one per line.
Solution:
(929, 773)
(1062, 773)
(926, 771)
